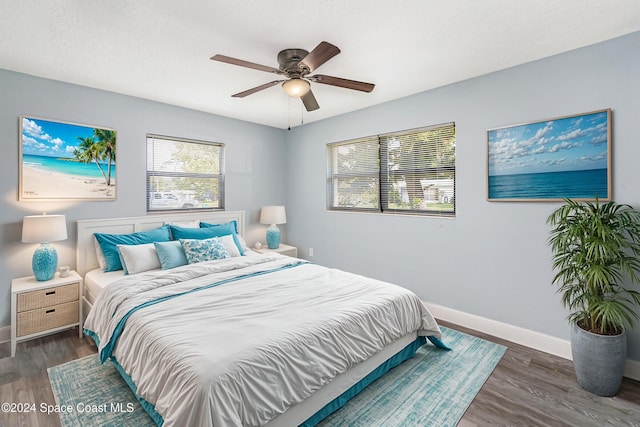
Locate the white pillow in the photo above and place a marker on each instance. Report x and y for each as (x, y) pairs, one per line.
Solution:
(139, 258)
(101, 261)
(230, 245)
(242, 242)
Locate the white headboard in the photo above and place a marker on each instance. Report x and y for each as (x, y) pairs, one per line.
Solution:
(86, 259)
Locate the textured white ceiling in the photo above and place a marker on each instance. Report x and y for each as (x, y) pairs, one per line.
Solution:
(160, 49)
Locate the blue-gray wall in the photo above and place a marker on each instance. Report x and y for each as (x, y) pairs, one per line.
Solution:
(492, 260)
(255, 164)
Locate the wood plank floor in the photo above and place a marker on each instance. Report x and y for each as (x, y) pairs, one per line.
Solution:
(532, 388)
(527, 388)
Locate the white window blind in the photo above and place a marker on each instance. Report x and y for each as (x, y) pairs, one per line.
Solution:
(402, 172)
(184, 174)
(354, 174)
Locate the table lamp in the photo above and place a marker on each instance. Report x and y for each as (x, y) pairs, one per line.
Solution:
(44, 229)
(273, 215)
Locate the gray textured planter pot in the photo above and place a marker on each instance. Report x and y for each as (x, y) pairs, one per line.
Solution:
(599, 360)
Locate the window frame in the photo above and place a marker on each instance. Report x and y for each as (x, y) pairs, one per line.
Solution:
(219, 177)
(384, 183)
(331, 177)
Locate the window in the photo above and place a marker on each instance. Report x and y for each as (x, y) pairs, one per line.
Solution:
(401, 172)
(184, 174)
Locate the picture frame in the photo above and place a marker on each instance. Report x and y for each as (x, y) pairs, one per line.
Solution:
(550, 160)
(62, 161)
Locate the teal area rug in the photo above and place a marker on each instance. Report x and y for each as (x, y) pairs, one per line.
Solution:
(434, 388)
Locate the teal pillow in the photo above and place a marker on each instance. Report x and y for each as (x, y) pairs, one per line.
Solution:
(171, 254)
(199, 250)
(220, 230)
(109, 244)
(192, 233)
(231, 226)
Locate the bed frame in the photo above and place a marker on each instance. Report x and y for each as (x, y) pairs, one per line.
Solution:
(376, 366)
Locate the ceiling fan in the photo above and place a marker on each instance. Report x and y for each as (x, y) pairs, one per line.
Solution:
(296, 65)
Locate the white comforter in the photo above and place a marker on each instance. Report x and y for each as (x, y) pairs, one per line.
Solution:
(270, 332)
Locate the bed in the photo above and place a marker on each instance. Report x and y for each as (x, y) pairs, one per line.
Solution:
(244, 340)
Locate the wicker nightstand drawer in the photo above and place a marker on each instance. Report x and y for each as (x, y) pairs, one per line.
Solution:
(47, 297)
(41, 319)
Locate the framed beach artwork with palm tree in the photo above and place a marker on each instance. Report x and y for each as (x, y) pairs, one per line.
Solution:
(550, 160)
(66, 161)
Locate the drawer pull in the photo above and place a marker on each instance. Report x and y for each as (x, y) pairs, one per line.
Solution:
(53, 310)
(50, 293)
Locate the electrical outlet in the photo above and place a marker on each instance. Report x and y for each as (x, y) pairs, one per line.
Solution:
(310, 251)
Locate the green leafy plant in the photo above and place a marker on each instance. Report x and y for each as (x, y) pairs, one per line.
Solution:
(596, 252)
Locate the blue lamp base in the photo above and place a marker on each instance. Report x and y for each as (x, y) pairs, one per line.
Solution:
(273, 237)
(44, 262)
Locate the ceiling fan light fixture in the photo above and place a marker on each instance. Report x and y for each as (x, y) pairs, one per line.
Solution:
(296, 87)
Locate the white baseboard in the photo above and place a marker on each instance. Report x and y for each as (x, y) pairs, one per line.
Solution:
(5, 334)
(632, 369)
(518, 335)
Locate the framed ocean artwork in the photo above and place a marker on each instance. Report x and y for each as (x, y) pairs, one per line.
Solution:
(550, 160)
(66, 161)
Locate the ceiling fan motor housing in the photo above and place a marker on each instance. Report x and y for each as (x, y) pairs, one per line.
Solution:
(289, 60)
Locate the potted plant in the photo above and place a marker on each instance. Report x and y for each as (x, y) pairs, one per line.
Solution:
(596, 256)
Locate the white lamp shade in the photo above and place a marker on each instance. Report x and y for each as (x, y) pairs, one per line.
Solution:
(273, 215)
(44, 228)
(296, 87)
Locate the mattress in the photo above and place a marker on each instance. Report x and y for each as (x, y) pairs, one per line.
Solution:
(96, 280)
(279, 329)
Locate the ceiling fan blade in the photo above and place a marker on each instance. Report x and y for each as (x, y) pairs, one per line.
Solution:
(345, 83)
(319, 55)
(243, 63)
(256, 89)
(309, 101)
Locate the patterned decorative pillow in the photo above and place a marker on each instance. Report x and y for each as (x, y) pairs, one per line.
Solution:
(198, 250)
(219, 230)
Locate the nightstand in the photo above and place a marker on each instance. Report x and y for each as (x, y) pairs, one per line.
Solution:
(282, 249)
(42, 308)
